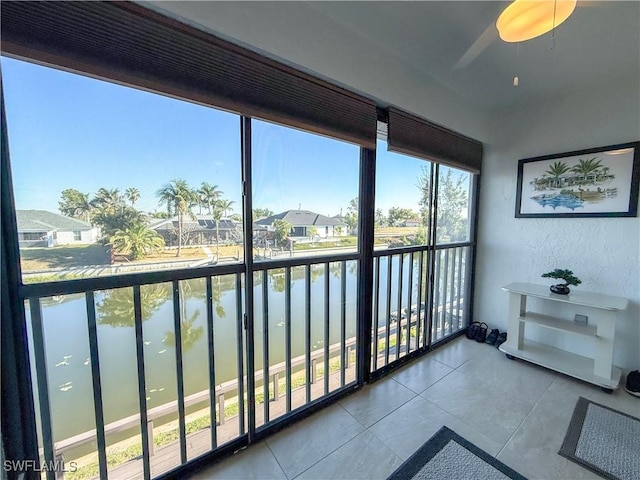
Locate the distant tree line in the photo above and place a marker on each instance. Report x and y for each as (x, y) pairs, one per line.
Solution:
(453, 203)
(127, 228)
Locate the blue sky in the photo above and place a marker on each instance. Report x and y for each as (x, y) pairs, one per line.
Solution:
(70, 131)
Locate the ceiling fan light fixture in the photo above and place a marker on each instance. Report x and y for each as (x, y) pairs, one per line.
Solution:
(527, 19)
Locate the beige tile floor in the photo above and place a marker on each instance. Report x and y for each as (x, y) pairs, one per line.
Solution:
(513, 410)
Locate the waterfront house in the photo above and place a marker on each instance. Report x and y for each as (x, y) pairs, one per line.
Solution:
(413, 222)
(302, 222)
(198, 230)
(40, 228)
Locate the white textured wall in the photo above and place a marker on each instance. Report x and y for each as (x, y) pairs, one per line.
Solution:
(603, 252)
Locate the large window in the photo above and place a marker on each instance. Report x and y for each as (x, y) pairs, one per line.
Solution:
(305, 204)
(129, 180)
(126, 181)
(305, 193)
(211, 342)
(454, 206)
(403, 199)
(420, 281)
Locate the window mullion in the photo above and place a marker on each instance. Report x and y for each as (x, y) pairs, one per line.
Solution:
(366, 212)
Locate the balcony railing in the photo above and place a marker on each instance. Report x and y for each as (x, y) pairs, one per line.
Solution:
(127, 368)
(408, 315)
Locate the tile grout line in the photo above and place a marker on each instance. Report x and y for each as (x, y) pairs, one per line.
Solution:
(527, 416)
(396, 408)
(366, 428)
(276, 459)
(332, 451)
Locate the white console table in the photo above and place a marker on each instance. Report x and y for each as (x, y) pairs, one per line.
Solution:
(599, 369)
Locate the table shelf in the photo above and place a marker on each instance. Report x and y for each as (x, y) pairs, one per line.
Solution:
(559, 324)
(576, 297)
(599, 369)
(575, 366)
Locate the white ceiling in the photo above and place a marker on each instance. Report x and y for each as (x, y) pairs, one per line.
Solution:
(419, 47)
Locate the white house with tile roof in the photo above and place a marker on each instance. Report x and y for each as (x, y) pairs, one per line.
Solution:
(40, 228)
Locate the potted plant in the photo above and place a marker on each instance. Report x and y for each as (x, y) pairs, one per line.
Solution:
(561, 274)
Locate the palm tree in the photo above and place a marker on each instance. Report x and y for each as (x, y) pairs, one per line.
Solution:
(217, 216)
(137, 240)
(259, 213)
(312, 231)
(225, 205)
(208, 194)
(75, 204)
(132, 194)
(587, 167)
(105, 199)
(281, 229)
(112, 219)
(556, 170)
(180, 198)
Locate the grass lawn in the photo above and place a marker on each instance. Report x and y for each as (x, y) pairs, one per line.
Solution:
(63, 257)
(342, 242)
(396, 230)
(188, 253)
(33, 259)
(84, 255)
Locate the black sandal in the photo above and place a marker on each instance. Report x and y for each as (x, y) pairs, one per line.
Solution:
(493, 336)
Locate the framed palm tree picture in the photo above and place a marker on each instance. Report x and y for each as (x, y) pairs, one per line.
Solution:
(599, 182)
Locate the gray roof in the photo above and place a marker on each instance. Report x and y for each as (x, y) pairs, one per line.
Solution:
(299, 218)
(199, 223)
(41, 221)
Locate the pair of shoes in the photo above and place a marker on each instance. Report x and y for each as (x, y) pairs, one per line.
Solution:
(501, 339)
(477, 331)
(492, 337)
(633, 383)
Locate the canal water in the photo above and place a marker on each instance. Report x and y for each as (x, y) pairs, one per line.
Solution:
(67, 343)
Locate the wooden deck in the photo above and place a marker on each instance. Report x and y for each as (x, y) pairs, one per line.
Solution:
(168, 457)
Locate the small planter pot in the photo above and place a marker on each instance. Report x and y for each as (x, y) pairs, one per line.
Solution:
(560, 289)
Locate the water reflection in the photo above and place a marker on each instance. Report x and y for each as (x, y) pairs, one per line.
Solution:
(277, 276)
(116, 308)
(65, 319)
(188, 330)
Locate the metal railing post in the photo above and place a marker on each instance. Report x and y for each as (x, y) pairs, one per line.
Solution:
(150, 436)
(221, 416)
(59, 461)
(314, 375)
(276, 386)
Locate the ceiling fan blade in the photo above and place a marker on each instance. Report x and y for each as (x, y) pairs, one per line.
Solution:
(488, 36)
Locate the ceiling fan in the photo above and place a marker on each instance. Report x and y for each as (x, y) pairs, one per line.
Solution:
(520, 21)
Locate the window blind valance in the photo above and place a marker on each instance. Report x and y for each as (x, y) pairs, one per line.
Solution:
(129, 44)
(415, 136)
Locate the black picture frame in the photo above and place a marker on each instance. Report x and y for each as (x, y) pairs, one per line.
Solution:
(596, 182)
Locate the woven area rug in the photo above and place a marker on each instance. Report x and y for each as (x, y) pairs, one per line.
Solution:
(603, 440)
(447, 455)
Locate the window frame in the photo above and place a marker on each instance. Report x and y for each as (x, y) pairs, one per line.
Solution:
(18, 44)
